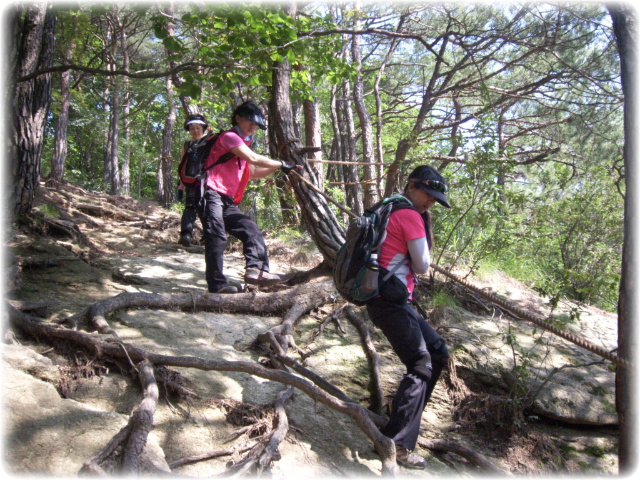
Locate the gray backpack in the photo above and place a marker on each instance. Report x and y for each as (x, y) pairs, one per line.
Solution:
(356, 274)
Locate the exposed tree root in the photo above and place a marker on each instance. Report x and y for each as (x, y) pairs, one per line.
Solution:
(473, 457)
(295, 302)
(111, 349)
(201, 458)
(375, 387)
(123, 453)
(259, 458)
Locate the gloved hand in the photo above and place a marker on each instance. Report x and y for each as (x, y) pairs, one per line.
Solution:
(180, 195)
(287, 166)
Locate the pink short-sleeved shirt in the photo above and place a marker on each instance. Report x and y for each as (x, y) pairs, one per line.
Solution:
(404, 225)
(231, 177)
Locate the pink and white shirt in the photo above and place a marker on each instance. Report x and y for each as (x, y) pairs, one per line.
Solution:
(231, 177)
(405, 225)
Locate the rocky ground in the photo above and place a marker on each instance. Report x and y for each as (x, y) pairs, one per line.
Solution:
(516, 398)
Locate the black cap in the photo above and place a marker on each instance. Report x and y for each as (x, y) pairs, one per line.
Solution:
(250, 111)
(430, 180)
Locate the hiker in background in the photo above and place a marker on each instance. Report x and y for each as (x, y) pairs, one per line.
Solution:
(224, 188)
(197, 126)
(417, 344)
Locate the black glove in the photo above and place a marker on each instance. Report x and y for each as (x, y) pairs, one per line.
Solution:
(287, 166)
(180, 195)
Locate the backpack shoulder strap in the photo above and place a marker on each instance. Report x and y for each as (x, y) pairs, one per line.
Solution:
(223, 158)
(381, 212)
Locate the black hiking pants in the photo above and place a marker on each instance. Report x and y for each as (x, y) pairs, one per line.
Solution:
(190, 213)
(220, 216)
(423, 352)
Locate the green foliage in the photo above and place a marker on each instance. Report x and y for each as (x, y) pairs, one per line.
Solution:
(240, 43)
(442, 299)
(49, 210)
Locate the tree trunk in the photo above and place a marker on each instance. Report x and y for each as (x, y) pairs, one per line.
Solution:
(353, 187)
(112, 159)
(370, 182)
(313, 138)
(59, 156)
(165, 167)
(125, 178)
(376, 90)
(30, 107)
(185, 101)
(625, 28)
(287, 202)
(407, 143)
(166, 188)
(337, 148)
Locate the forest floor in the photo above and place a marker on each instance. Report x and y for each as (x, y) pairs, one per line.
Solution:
(515, 399)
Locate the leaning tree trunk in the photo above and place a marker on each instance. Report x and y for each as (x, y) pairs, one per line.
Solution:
(30, 107)
(405, 144)
(317, 215)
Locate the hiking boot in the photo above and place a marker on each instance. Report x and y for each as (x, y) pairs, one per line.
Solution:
(226, 289)
(185, 240)
(261, 278)
(408, 459)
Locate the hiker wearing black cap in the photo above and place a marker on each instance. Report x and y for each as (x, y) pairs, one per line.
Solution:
(224, 188)
(408, 241)
(197, 126)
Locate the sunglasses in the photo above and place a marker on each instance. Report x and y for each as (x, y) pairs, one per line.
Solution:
(434, 185)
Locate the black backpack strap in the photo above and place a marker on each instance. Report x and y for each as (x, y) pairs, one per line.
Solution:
(223, 158)
(383, 210)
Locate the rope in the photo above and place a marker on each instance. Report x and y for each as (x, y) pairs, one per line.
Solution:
(544, 324)
(317, 190)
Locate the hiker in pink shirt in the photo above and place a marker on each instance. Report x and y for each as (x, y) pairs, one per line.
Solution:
(229, 167)
(420, 348)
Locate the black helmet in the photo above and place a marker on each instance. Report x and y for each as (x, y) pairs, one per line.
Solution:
(250, 111)
(429, 179)
(197, 119)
